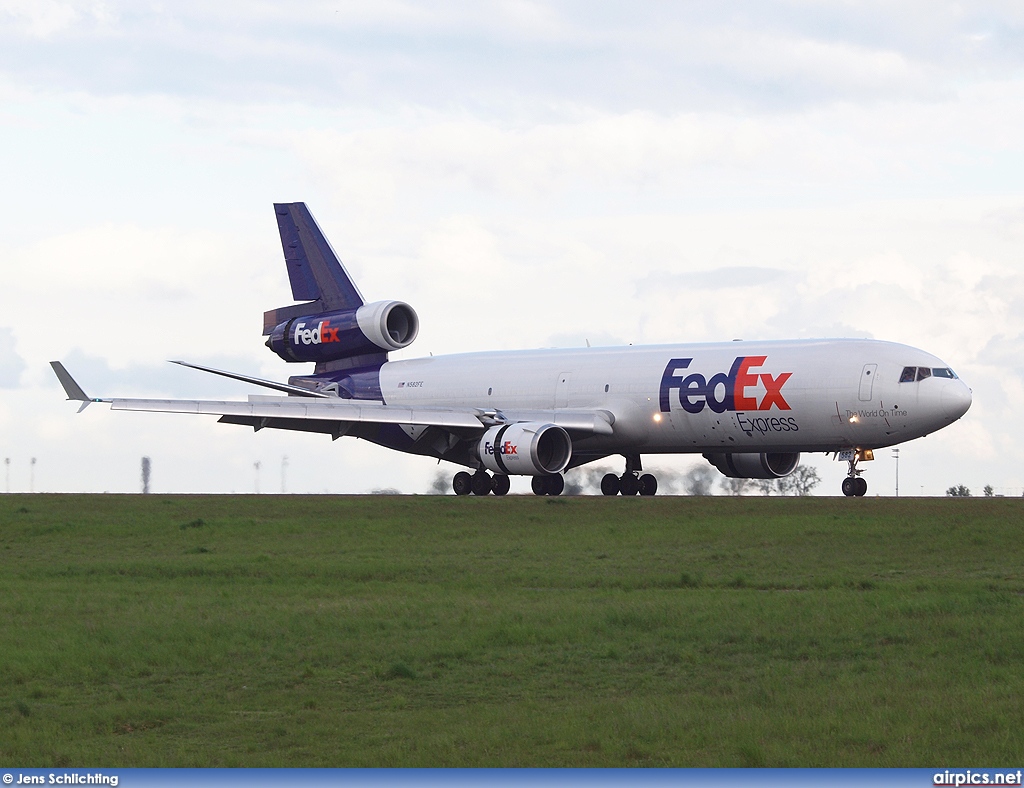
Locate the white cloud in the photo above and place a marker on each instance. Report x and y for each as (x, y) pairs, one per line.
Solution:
(501, 56)
(39, 18)
(11, 364)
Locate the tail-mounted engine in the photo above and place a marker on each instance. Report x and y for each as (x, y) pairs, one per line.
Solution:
(383, 325)
(525, 449)
(769, 465)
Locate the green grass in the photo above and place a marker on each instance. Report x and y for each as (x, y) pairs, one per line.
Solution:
(434, 631)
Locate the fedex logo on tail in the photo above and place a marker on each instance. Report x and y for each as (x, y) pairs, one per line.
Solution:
(734, 390)
(321, 335)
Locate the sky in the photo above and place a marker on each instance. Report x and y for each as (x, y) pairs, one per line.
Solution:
(607, 172)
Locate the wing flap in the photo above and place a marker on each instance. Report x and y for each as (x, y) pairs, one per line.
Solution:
(588, 422)
(345, 410)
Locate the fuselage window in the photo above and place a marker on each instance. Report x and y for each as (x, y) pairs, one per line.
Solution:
(923, 372)
(943, 373)
(909, 375)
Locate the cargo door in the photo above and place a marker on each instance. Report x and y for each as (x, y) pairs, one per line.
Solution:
(562, 390)
(867, 380)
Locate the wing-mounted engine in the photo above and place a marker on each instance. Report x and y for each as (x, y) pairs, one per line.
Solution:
(768, 465)
(525, 449)
(328, 336)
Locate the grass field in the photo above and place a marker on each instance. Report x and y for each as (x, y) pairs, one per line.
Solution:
(435, 631)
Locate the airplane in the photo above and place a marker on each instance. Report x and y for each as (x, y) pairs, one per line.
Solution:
(750, 408)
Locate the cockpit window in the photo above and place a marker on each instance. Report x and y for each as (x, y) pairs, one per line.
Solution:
(910, 374)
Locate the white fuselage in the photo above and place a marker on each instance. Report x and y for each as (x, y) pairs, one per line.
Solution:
(803, 395)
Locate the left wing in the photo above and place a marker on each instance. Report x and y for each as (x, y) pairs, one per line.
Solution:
(318, 413)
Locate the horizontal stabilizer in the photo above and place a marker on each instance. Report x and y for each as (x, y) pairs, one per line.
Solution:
(270, 384)
(272, 318)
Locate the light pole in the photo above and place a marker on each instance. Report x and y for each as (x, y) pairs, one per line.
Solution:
(32, 475)
(7, 469)
(896, 456)
(284, 467)
(256, 465)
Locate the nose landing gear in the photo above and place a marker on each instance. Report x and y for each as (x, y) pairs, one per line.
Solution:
(853, 484)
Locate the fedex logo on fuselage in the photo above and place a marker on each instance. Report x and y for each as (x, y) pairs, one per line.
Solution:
(320, 335)
(505, 448)
(732, 390)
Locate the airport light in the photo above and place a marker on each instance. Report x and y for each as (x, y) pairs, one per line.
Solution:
(896, 456)
(7, 469)
(32, 475)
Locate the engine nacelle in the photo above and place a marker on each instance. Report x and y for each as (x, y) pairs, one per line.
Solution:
(769, 465)
(383, 325)
(525, 449)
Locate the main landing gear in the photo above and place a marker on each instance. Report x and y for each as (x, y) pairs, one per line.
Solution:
(630, 483)
(853, 484)
(479, 483)
(548, 485)
(482, 483)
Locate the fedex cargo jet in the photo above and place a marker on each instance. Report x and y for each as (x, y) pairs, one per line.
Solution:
(750, 408)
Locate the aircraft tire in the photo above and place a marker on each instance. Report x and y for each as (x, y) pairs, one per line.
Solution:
(629, 484)
(481, 483)
(500, 484)
(555, 484)
(610, 484)
(462, 483)
(539, 485)
(648, 484)
(849, 486)
(861, 488)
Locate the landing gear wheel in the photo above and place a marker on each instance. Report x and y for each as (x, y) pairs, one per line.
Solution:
(548, 485)
(853, 484)
(462, 483)
(500, 485)
(481, 483)
(610, 484)
(629, 484)
(648, 484)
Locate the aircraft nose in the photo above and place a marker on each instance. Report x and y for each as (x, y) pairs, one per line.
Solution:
(956, 400)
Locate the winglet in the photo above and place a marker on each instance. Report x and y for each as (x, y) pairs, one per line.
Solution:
(71, 387)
